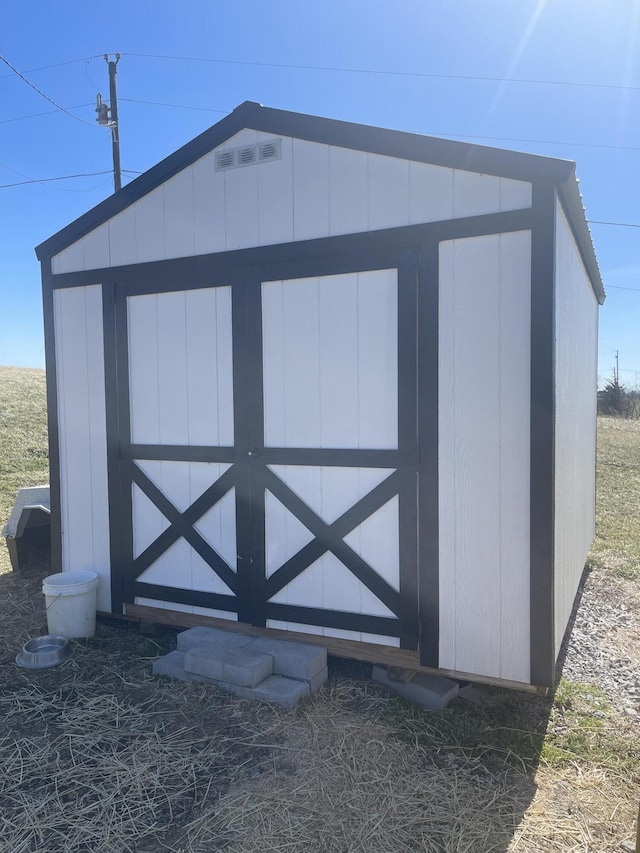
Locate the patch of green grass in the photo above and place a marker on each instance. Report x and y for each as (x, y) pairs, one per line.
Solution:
(616, 547)
(23, 438)
(582, 728)
(507, 730)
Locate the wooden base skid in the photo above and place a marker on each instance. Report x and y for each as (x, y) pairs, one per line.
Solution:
(370, 652)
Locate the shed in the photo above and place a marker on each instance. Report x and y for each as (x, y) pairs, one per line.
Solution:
(317, 377)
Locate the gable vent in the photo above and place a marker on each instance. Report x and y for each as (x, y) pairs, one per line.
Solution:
(248, 155)
(225, 160)
(270, 150)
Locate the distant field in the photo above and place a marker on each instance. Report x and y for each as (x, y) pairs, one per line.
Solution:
(617, 544)
(23, 438)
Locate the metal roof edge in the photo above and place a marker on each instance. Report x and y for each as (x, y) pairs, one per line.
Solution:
(569, 193)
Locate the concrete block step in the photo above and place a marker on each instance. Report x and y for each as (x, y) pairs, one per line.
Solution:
(193, 637)
(292, 659)
(281, 691)
(172, 665)
(243, 667)
(430, 691)
(284, 692)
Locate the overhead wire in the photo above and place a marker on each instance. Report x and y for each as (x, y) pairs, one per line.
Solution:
(45, 113)
(378, 71)
(42, 94)
(54, 65)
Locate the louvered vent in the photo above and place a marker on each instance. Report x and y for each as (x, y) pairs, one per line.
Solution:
(248, 155)
(225, 160)
(270, 150)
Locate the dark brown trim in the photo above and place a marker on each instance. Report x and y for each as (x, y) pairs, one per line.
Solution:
(242, 415)
(193, 597)
(428, 430)
(340, 457)
(254, 390)
(52, 416)
(180, 453)
(408, 446)
(334, 619)
(542, 510)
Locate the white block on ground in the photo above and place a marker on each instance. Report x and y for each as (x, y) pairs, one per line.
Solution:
(241, 666)
(430, 691)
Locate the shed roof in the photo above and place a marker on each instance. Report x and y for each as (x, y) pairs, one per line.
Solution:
(393, 143)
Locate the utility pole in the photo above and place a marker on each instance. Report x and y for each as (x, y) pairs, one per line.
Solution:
(108, 117)
(617, 377)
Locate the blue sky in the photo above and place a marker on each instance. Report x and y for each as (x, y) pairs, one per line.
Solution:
(438, 53)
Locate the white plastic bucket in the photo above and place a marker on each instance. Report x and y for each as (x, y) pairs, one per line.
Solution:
(71, 603)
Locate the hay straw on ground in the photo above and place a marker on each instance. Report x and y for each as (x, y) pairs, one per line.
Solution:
(357, 789)
(97, 756)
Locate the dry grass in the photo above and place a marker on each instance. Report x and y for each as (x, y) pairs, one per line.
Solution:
(359, 788)
(97, 755)
(617, 544)
(23, 438)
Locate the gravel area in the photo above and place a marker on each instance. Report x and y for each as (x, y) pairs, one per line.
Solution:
(604, 645)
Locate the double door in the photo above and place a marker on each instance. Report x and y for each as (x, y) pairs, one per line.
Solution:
(267, 454)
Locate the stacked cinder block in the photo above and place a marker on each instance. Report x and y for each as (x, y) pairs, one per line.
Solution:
(278, 671)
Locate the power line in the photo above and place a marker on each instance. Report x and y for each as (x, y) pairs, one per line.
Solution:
(532, 141)
(177, 106)
(620, 287)
(618, 224)
(40, 92)
(55, 65)
(377, 71)
(45, 113)
(61, 177)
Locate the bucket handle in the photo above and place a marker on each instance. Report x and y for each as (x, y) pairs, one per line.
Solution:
(47, 606)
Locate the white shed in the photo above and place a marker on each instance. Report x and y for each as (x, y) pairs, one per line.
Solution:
(322, 378)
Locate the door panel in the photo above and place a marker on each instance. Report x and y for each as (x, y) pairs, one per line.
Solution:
(331, 383)
(330, 361)
(181, 368)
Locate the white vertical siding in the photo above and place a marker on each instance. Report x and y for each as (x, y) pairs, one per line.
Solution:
(82, 434)
(575, 424)
(330, 361)
(180, 367)
(312, 191)
(484, 393)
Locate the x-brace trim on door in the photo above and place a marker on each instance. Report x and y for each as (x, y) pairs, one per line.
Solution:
(329, 537)
(181, 524)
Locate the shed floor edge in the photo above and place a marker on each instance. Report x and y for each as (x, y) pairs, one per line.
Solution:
(369, 652)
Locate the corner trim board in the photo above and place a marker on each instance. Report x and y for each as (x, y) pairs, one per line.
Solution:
(542, 468)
